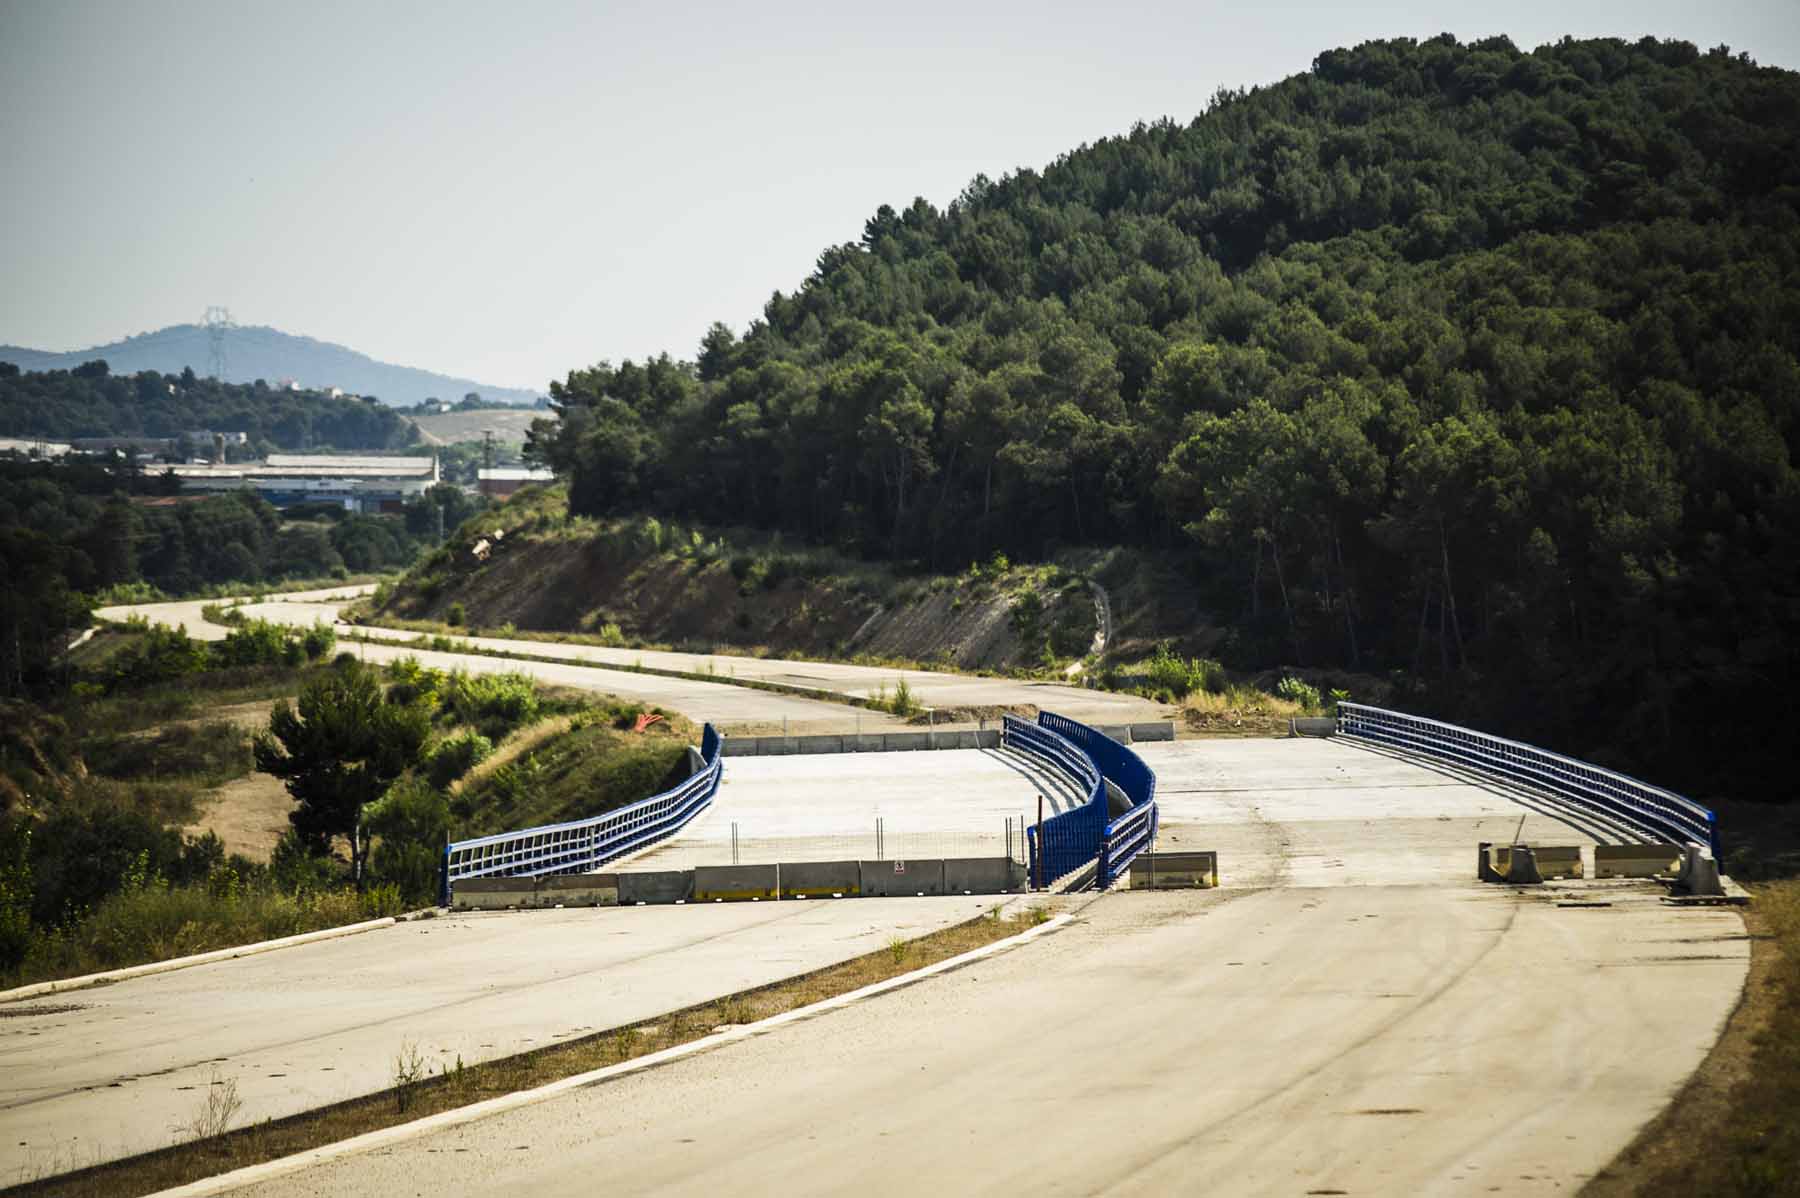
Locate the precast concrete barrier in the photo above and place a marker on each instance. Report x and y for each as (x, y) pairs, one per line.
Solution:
(578, 890)
(736, 883)
(983, 875)
(1175, 871)
(496, 894)
(820, 744)
(870, 742)
(1636, 860)
(1306, 725)
(656, 886)
(1557, 861)
(1118, 732)
(888, 879)
(905, 742)
(1700, 872)
(1515, 864)
(820, 879)
(1149, 732)
(864, 742)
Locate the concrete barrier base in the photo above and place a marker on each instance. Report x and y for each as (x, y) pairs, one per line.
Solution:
(579, 890)
(1636, 860)
(1175, 871)
(736, 883)
(887, 879)
(820, 879)
(493, 894)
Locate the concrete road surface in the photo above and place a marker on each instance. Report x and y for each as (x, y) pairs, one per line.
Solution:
(302, 1027)
(720, 703)
(929, 688)
(1359, 1040)
(1304, 812)
(947, 803)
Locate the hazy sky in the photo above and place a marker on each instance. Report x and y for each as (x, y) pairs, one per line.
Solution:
(508, 191)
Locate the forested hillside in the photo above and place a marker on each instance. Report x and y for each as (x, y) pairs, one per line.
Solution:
(91, 401)
(1468, 365)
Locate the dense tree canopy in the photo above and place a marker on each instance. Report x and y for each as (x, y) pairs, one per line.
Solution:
(89, 401)
(1474, 364)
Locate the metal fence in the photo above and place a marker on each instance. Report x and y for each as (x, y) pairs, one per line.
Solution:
(583, 845)
(1651, 810)
(1086, 833)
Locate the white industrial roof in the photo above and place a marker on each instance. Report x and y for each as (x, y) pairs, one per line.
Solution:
(515, 474)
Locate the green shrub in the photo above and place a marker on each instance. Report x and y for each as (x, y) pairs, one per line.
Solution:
(411, 824)
(318, 641)
(1183, 676)
(494, 704)
(258, 643)
(456, 756)
(456, 615)
(1296, 691)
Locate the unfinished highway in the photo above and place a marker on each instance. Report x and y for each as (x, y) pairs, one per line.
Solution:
(1350, 1012)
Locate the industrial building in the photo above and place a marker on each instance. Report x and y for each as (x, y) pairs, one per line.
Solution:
(371, 483)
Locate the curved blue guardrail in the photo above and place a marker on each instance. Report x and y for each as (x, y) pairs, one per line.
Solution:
(583, 845)
(1650, 809)
(1073, 838)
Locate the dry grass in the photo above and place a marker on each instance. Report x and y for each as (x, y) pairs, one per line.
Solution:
(515, 746)
(1239, 711)
(1734, 1130)
(415, 1097)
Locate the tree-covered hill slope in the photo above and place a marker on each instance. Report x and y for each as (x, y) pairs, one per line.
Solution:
(1454, 360)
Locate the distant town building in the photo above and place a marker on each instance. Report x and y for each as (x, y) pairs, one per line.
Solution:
(27, 447)
(497, 482)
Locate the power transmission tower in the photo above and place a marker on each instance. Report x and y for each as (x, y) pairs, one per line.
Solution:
(218, 323)
(487, 448)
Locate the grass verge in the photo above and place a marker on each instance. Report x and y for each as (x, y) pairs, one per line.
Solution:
(422, 1089)
(1734, 1130)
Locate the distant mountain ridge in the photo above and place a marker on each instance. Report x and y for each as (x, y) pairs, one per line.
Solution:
(256, 352)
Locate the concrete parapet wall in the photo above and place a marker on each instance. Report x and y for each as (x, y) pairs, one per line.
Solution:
(884, 879)
(875, 742)
(1174, 871)
(1118, 732)
(579, 890)
(1307, 725)
(736, 883)
(656, 886)
(1636, 860)
(1146, 732)
(821, 879)
(982, 875)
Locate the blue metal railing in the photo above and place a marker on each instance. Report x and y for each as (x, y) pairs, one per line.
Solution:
(1648, 809)
(1085, 833)
(583, 845)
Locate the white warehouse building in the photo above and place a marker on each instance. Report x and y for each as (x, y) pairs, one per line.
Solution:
(372, 483)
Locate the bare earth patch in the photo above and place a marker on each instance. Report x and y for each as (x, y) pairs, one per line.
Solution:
(248, 814)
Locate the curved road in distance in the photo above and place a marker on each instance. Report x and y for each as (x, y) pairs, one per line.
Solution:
(763, 710)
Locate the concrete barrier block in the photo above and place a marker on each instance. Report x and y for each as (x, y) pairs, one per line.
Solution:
(982, 875)
(1174, 871)
(493, 894)
(820, 879)
(902, 742)
(945, 740)
(820, 744)
(1636, 860)
(1118, 732)
(1312, 726)
(1159, 731)
(1516, 865)
(884, 879)
(1700, 873)
(776, 746)
(1557, 861)
(987, 738)
(736, 883)
(739, 746)
(579, 890)
(869, 742)
(656, 886)
(1484, 864)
